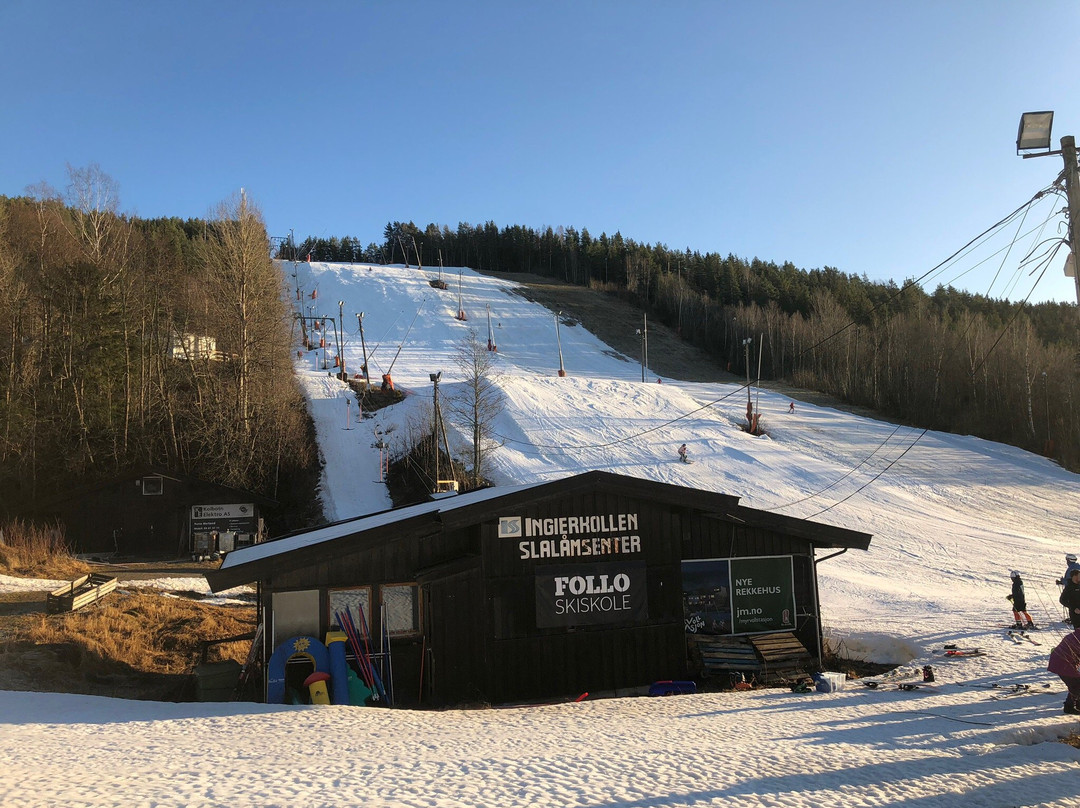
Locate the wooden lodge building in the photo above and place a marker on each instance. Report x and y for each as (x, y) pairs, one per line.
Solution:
(597, 582)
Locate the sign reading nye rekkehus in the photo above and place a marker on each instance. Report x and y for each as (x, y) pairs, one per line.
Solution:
(738, 595)
(762, 594)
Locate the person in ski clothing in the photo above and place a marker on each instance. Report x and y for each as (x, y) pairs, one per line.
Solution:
(1070, 559)
(1065, 662)
(1019, 602)
(791, 407)
(682, 453)
(1070, 598)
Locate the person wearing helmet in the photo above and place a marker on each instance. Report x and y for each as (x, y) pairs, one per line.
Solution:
(1070, 598)
(1019, 602)
(1070, 559)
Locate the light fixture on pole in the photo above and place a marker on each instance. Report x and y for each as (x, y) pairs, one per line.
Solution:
(435, 427)
(363, 346)
(1034, 131)
(558, 340)
(641, 347)
(749, 404)
(340, 328)
(643, 334)
(491, 335)
(1034, 134)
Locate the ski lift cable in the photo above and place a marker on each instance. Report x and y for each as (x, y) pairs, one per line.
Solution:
(843, 476)
(568, 448)
(1004, 329)
(872, 479)
(937, 268)
(1045, 263)
(555, 447)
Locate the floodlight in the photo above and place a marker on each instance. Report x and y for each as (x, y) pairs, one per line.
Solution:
(1034, 131)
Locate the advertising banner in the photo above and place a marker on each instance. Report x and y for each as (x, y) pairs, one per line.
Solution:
(762, 594)
(707, 596)
(738, 595)
(239, 518)
(591, 594)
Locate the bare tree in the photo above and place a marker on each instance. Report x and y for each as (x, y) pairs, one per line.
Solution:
(94, 199)
(479, 402)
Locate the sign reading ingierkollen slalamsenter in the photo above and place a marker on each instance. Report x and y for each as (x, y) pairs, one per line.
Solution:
(579, 536)
(762, 594)
(591, 594)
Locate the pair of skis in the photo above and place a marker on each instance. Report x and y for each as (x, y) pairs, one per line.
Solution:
(1020, 636)
(874, 684)
(955, 652)
(361, 649)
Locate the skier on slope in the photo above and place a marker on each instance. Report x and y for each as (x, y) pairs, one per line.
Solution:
(683, 456)
(1070, 598)
(1065, 662)
(1019, 602)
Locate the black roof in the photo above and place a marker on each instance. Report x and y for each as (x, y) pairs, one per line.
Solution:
(293, 551)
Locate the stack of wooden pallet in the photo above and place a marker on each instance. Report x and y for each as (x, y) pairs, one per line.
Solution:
(768, 658)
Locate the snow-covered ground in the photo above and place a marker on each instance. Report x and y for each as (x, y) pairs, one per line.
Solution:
(950, 516)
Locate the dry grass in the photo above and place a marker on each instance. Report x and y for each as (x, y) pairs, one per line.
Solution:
(130, 644)
(37, 551)
(133, 644)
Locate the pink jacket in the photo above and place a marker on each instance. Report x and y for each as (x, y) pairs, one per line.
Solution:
(1065, 658)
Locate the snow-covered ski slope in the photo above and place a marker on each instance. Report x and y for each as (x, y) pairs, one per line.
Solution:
(950, 515)
(949, 518)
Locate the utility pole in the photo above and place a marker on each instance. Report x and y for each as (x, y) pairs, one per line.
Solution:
(643, 333)
(1072, 192)
(1049, 440)
(341, 340)
(435, 431)
(558, 340)
(749, 403)
(1034, 134)
(363, 347)
(460, 307)
(645, 337)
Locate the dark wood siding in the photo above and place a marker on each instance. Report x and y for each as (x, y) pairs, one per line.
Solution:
(576, 662)
(530, 662)
(455, 667)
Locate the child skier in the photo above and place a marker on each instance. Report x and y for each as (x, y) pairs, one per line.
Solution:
(683, 454)
(1019, 602)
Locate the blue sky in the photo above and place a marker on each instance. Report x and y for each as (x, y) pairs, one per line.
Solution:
(875, 138)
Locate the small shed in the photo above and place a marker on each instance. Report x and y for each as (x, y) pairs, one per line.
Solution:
(596, 582)
(146, 513)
